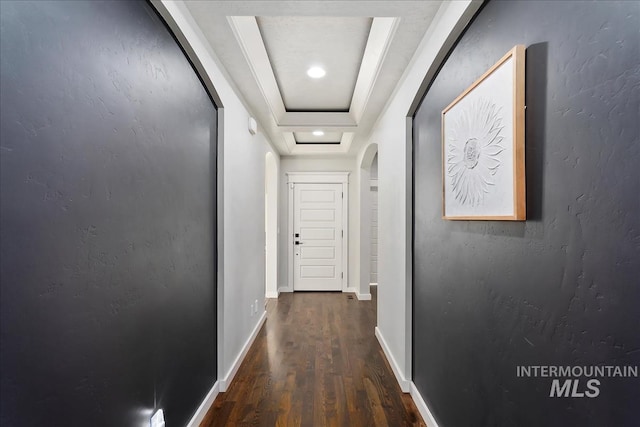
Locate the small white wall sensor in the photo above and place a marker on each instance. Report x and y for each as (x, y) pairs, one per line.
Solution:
(253, 126)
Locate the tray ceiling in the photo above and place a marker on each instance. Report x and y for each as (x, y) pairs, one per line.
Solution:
(295, 43)
(266, 48)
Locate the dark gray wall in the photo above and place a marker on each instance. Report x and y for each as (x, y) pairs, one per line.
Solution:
(562, 288)
(107, 218)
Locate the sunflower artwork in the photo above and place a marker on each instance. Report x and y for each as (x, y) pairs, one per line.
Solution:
(483, 146)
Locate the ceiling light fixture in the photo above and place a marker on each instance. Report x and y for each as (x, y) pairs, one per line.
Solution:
(316, 72)
(318, 133)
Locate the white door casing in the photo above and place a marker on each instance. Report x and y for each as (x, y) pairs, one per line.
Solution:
(318, 221)
(374, 232)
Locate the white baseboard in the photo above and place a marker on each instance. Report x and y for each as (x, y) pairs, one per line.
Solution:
(275, 294)
(226, 381)
(204, 406)
(350, 290)
(424, 410)
(405, 385)
(373, 284)
(364, 297)
(285, 289)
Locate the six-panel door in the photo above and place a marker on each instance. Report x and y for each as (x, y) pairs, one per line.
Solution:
(318, 232)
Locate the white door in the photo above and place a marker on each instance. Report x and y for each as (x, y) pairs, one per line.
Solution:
(318, 234)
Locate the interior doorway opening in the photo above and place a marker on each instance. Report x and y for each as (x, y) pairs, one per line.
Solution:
(368, 223)
(373, 192)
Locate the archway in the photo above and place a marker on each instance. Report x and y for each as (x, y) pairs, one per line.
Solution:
(365, 164)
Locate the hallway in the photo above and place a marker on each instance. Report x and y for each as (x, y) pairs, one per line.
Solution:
(316, 362)
(161, 161)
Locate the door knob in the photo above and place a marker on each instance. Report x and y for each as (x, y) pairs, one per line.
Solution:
(298, 243)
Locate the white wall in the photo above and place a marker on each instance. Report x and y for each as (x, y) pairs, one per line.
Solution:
(317, 164)
(392, 133)
(272, 192)
(241, 204)
(244, 231)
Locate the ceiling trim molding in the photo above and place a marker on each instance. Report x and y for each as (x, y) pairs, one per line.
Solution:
(246, 31)
(317, 177)
(347, 139)
(315, 119)
(290, 141)
(305, 128)
(318, 149)
(380, 36)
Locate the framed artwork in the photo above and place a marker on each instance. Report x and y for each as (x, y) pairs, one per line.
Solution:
(483, 169)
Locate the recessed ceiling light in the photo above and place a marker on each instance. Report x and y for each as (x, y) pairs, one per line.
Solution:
(318, 133)
(316, 72)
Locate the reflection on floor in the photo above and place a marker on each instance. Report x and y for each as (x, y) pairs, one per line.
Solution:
(316, 362)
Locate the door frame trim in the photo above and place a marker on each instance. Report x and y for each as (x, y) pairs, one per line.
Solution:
(320, 178)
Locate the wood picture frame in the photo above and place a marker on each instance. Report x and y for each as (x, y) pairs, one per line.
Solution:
(483, 159)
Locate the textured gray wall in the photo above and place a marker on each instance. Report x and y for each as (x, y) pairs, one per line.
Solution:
(563, 287)
(107, 218)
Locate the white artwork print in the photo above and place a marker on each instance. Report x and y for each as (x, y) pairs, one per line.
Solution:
(478, 149)
(474, 152)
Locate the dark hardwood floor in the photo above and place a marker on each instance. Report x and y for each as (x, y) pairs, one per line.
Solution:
(316, 362)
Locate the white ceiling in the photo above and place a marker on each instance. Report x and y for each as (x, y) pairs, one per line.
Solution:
(267, 46)
(314, 43)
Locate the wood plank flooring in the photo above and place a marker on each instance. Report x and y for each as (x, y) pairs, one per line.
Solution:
(316, 362)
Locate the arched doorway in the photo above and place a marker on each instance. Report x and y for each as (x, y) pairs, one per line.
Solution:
(366, 220)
